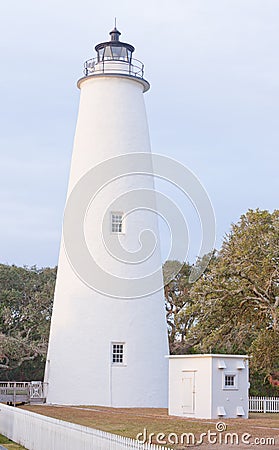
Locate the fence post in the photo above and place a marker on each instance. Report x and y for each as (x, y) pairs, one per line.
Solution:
(264, 405)
(14, 395)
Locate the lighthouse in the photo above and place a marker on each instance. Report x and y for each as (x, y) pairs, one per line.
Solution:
(108, 338)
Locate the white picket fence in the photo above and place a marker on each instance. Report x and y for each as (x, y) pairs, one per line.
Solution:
(264, 404)
(37, 432)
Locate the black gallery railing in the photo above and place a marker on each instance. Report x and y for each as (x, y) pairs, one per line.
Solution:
(112, 65)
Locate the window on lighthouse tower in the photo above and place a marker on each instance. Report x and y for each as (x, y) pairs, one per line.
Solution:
(117, 222)
(118, 353)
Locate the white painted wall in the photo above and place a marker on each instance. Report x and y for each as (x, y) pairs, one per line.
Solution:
(207, 391)
(111, 121)
(179, 367)
(230, 399)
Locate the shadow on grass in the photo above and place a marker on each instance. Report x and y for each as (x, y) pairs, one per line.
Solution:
(9, 444)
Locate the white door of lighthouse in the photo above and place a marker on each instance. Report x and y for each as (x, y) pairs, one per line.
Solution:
(188, 392)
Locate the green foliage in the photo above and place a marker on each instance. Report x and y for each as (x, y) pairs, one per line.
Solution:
(260, 385)
(265, 352)
(26, 296)
(179, 305)
(234, 306)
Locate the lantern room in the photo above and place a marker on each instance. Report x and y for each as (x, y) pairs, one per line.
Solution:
(114, 49)
(115, 58)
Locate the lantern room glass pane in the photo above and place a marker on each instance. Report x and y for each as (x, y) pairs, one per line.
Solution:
(101, 54)
(108, 54)
(116, 52)
(124, 54)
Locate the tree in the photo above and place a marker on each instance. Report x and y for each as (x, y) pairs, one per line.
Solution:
(179, 311)
(26, 296)
(237, 297)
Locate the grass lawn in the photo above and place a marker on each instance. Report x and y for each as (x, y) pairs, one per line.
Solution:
(9, 444)
(131, 421)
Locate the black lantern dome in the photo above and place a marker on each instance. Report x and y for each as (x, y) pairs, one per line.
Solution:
(114, 49)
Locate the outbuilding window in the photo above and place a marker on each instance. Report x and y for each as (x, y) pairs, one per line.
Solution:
(230, 380)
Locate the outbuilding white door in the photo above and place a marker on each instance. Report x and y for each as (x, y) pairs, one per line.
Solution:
(188, 392)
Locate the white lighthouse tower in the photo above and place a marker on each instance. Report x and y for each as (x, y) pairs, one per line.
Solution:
(108, 338)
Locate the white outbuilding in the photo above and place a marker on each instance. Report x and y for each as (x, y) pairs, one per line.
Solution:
(208, 386)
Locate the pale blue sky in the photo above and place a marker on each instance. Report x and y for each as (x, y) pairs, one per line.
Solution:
(213, 104)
